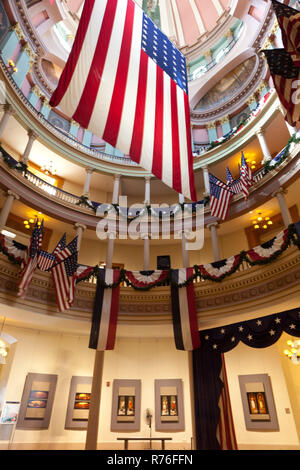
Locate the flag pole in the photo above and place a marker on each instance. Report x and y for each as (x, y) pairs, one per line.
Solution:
(186, 264)
(95, 402)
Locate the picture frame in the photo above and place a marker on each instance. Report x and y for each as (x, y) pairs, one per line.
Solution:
(126, 405)
(258, 402)
(78, 403)
(169, 405)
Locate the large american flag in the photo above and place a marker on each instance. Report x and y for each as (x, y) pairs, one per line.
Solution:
(220, 197)
(289, 21)
(285, 77)
(64, 279)
(127, 83)
(31, 261)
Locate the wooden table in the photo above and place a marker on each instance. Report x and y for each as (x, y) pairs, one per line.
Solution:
(126, 439)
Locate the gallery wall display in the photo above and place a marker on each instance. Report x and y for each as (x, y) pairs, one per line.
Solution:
(37, 401)
(169, 409)
(126, 405)
(258, 402)
(78, 403)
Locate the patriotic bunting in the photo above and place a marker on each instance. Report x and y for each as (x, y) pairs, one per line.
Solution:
(269, 249)
(184, 313)
(105, 313)
(15, 251)
(219, 269)
(146, 279)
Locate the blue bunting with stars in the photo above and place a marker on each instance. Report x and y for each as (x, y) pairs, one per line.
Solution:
(259, 333)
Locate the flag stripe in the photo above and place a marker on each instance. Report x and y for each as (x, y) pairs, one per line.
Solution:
(73, 59)
(175, 139)
(158, 132)
(176, 318)
(110, 344)
(189, 146)
(116, 106)
(167, 166)
(138, 129)
(88, 99)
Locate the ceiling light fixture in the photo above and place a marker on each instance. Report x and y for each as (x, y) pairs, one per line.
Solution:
(262, 223)
(49, 169)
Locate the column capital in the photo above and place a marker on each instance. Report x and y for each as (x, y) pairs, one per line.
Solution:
(13, 194)
(279, 191)
(8, 109)
(211, 125)
(32, 135)
(89, 170)
(117, 176)
(213, 224)
(205, 167)
(260, 131)
(148, 177)
(78, 225)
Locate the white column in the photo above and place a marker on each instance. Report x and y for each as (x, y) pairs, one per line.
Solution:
(5, 211)
(180, 37)
(80, 228)
(146, 235)
(87, 183)
(264, 146)
(214, 238)
(31, 138)
(218, 7)
(94, 412)
(8, 111)
(279, 193)
(206, 180)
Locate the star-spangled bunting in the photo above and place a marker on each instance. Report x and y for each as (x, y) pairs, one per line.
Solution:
(127, 83)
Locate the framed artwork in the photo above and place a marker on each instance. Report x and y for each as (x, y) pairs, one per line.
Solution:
(169, 408)
(37, 401)
(78, 403)
(258, 402)
(10, 412)
(126, 405)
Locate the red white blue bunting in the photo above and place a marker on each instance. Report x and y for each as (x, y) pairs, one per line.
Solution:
(269, 249)
(145, 279)
(219, 269)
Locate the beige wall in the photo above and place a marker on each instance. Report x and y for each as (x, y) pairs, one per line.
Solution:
(244, 360)
(146, 358)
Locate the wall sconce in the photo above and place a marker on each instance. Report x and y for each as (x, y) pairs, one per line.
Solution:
(293, 351)
(12, 67)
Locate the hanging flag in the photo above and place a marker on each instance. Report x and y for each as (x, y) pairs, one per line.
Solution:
(236, 186)
(45, 260)
(65, 251)
(220, 197)
(245, 176)
(127, 83)
(105, 313)
(289, 22)
(61, 245)
(229, 176)
(64, 279)
(286, 80)
(31, 262)
(184, 313)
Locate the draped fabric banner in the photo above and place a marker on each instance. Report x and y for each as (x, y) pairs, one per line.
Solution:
(105, 313)
(219, 269)
(184, 313)
(145, 279)
(270, 248)
(214, 423)
(16, 252)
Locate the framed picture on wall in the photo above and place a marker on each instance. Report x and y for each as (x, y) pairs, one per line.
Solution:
(126, 405)
(258, 402)
(78, 403)
(37, 401)
(169, 405)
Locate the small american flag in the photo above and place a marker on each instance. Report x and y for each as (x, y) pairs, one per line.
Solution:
(66, 251)
(220, 197)
(61, 245)
(245, 176)
(31, 262)
(45, 260)
(289, 21)
(286, 79)
(64, 279)
(127, 83)
(229, 176)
